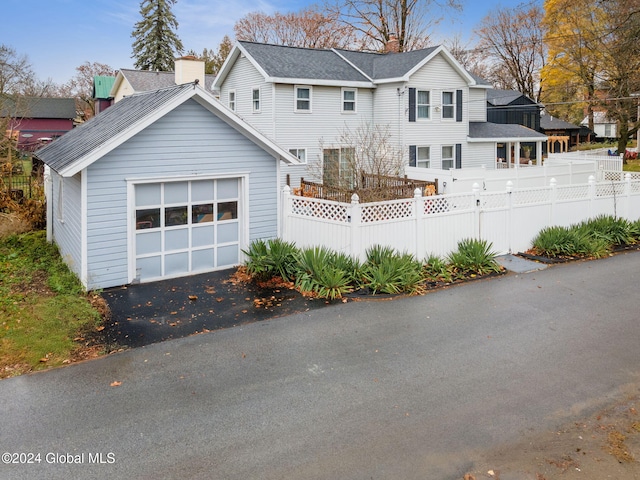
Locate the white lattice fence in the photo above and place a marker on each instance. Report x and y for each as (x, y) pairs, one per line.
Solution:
(433, 225)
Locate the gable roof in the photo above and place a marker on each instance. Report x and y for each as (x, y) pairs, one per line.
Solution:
(39, 107)
(283, 64)
(95, 138)
(146, 80)
(501, 98)
(549, 122)
(502, 132)
(102, 85)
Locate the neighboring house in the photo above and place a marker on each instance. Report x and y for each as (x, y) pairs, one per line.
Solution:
(603, 126)
(187, 69)
(102, 98)
(304, 99)
(563, 136)
(162, 184)
(38, 120)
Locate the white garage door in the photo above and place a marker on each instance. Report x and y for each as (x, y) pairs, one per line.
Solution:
(185, 227)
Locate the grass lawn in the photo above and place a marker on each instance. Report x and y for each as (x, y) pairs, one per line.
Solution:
(44, 313)
(632, 166)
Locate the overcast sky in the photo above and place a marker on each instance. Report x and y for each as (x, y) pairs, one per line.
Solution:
(59, 35)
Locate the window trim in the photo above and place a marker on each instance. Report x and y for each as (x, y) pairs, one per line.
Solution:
(231, 103)
(428, 105)
(254, 100)
(296, 88)
(428, 159)
(345, 101)
(452, 105)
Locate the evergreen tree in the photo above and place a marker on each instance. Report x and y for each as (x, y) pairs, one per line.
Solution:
(156, 43)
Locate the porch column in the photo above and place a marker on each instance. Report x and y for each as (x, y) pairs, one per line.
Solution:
(516, 153)
(539, 153)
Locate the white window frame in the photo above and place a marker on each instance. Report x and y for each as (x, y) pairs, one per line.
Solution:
(354, 101)
(231, 100)
(296, 89)
(447, 159)
(343, 164)
(446, 106)
(256, 102)
(426, 105)
(423, 157)
(299, 153)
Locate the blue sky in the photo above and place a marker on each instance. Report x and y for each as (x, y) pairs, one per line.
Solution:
(59, 35)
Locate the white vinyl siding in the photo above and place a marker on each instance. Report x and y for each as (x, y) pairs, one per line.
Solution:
(189, 141)
(67, 223)
(477, 105)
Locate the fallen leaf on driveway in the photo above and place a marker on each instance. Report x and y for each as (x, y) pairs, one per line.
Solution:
(193, 298)
(115, 384)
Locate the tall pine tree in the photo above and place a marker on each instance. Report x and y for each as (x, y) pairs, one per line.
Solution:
(156, 43)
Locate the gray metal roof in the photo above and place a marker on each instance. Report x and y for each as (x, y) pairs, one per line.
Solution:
(302, 63)
(145, 80)
(500, 131)
(92, 134)
(39, 107)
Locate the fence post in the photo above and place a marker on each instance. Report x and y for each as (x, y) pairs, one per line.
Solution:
(475, 188)
(627, 195)
(509, 213)
(418, 206)
(356, 222)
(286, 210)
(592, 194)
(553, 198)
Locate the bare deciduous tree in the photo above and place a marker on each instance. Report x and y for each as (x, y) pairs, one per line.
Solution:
(513, 42)
(309, 28)
(376, 21)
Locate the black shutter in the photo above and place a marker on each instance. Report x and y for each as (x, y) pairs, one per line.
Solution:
(412, 104)
(458, 155)
(412, 155)
(458, 105)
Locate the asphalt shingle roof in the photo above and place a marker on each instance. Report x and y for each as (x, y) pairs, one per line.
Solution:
(501, 130)
(547, 122)
(92, 134)
(39, 107)
(499, 98)
(145, 80)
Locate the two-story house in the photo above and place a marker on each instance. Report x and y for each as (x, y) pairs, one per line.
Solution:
(304, 99)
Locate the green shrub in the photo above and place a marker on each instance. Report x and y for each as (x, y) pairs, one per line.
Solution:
(437, 269)
(387, 271)
(473, 257)
(614, 231)
(258, 264)
(562, 241)
(320, 271)
(272, 258)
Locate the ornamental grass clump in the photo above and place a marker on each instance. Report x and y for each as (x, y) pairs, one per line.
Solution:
(473, 257)
(568, 242)
(436, 269)
(324, 272)
(274, 257)
(388, 271)
(613, 230)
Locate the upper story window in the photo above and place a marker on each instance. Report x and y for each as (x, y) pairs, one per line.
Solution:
(255, 99)
(302, 99)
(349, 96)
(448, 104)
(423, 104)
(232, 100)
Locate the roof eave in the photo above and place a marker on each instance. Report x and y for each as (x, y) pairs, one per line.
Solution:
(507, 139)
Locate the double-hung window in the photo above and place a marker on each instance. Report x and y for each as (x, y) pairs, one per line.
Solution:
(232, 100)
(423, 104)
(299, 153)
(447, 157)
(255, 100)
(349, 96)
(448, 104)
(302, 99)
(338, 166)
(423, 157)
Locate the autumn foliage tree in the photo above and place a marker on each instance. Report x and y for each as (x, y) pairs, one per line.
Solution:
(308, 28)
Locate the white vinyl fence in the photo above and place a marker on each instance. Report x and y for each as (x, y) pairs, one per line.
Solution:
(434, 225)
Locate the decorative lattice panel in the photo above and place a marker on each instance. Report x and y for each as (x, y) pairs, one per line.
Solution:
(635, 187)
(376, 212)
(456, 203)
(609, 189)
(531, 196)
(572, 192)
(312, 207)
(494, 200)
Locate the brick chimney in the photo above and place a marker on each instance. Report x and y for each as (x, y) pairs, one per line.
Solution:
(188, 69)
(392, 45)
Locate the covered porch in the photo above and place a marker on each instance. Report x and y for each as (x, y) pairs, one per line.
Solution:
(516, 146)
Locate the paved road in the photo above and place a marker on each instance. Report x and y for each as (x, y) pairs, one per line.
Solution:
(406, 389)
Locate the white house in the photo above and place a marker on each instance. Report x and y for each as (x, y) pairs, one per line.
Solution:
(603, 126)
(162, 184)
(304, 99)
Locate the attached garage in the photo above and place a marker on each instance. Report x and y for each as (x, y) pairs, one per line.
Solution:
(160, 185)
